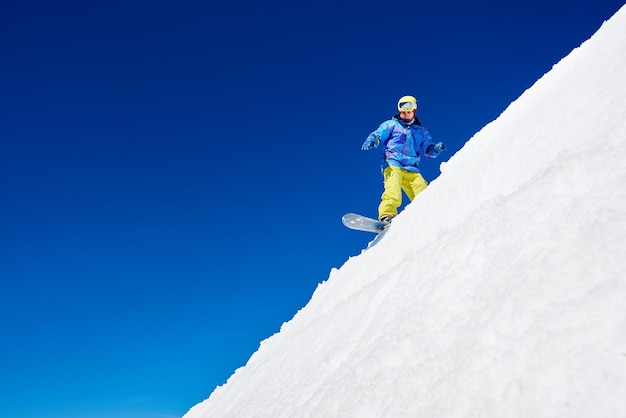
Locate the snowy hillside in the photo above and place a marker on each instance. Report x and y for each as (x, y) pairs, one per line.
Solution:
(500, 291)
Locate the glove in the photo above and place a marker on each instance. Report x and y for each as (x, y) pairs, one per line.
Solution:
(369, 144)
(439, 146)
(433, 150)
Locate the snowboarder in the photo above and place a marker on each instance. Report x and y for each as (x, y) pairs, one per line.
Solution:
(404, 138)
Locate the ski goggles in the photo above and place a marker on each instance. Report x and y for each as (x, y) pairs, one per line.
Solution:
(407, 106)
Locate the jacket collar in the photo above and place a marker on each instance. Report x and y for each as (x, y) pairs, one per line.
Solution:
(407, 123)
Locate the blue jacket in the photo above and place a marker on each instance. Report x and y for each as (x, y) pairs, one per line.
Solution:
(404, 141)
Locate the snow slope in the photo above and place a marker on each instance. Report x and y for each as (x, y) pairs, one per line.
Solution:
(499, 292)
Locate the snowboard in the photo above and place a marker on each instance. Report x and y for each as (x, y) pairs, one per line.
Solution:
(363, 223)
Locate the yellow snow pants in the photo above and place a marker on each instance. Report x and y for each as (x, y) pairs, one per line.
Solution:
(396, 180)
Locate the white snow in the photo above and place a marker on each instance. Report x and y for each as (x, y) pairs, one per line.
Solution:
(499, 292)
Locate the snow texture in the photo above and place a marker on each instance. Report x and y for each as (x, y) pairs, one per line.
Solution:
(500, 291)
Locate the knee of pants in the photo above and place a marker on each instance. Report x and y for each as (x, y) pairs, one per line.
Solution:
(393, 186)
(416, 186)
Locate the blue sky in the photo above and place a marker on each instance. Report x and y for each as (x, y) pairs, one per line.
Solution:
(173, 175)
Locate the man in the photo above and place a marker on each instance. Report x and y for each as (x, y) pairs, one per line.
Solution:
(404, 139)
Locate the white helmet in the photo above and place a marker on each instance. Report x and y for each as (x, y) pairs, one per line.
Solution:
(407, 104)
